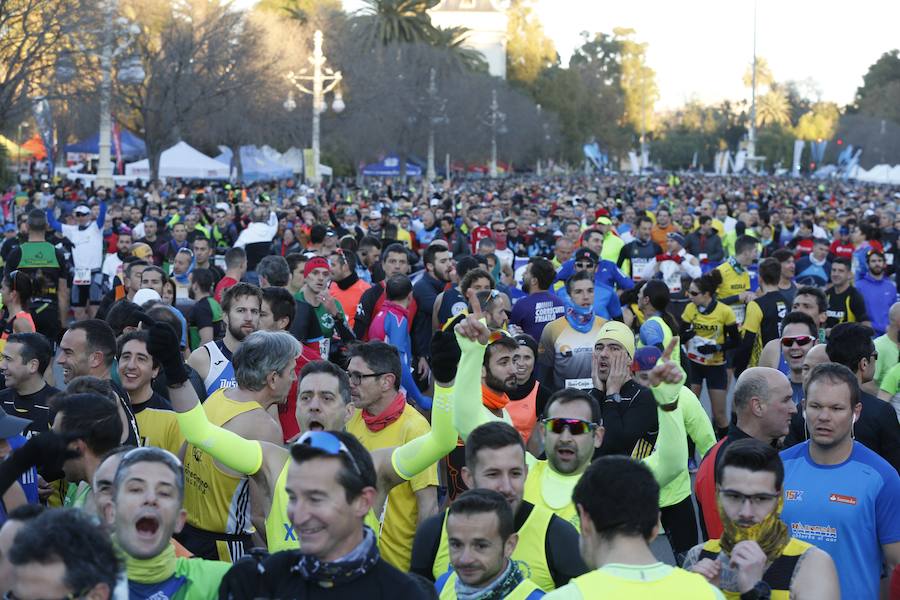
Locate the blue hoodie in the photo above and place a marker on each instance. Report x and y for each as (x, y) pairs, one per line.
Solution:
(879, 296)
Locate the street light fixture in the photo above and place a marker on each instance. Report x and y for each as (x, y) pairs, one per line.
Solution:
(323, 80)
(496, 120)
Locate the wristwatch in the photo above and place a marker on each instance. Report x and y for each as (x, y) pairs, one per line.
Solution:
(760, 591)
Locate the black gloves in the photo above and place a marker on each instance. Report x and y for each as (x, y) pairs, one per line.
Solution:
(445, 355)
(708, 348)
(165, 346)
(48, 451)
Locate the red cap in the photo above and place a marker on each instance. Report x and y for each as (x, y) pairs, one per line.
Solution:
(316, 262)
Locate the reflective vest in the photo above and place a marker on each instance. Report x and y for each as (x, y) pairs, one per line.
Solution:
(523, 412)
(677, 585)
(530, 553)
(667, 337)
(561, 485)
(446, 587)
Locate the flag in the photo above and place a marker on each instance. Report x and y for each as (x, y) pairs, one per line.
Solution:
(44, 120)
(117, 144)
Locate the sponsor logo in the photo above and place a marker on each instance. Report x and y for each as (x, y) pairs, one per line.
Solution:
(842, 499)
(793, 495)
(807, 532)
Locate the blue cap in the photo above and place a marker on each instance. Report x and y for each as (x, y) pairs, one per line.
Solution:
(645, 358)
(9, 227)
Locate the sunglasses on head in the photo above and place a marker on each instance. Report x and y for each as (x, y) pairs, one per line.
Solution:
(800, 340)
(328, 443)
(575, 426)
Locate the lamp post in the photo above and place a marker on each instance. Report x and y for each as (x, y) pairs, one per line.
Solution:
(495, 121)
(323, 81)
(436, 116)
(131, 73)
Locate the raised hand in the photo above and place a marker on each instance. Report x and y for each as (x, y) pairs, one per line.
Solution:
(473, 327)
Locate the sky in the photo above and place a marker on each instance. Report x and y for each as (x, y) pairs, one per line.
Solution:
(701, 48)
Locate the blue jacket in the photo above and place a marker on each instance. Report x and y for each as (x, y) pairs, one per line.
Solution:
(607, 274)
(879, 296)
(809, 273)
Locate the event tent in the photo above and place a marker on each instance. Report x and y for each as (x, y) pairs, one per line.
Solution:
(181, 161)
(877, 174)
(390, 167)
(255, 165)
(133, 147)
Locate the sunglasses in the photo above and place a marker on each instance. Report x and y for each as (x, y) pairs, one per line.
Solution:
(328, 443)
(575, 426)
(693, 293)
(800, 340)
(584, 265)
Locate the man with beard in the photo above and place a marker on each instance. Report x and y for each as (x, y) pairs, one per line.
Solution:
(572, 428)
(329, 312)
(346, 286)
(219, 501)
(839, 495)
(877, 290)
(145, 512)
(394, 261)
(205, 322)
(763, 409)
(541, 306)
(756, 555)
(241, 304)
(482, 541)
(845, 303)
(564, 351)
(324, 403)
(547, 546)
(439, 270)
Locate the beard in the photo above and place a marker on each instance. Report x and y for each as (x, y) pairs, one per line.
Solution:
(500, 385)
(237, 333)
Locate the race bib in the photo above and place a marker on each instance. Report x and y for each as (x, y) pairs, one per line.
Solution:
(740, 311)
(694, 354)
(637, 268)
(889, 258)
(673, 281)
(580, 384)
(82, 276)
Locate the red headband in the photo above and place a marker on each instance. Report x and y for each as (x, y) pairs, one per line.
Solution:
(315, 263)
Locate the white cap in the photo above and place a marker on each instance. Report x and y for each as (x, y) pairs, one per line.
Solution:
(144, 295)
(223, 206)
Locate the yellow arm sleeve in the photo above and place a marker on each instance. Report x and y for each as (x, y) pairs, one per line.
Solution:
(696, 421)
(670, 457)
(416, 455)
(230, 449)
(469, 413)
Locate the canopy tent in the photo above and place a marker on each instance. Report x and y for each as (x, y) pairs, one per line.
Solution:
(181, 161)
(36, 147)
(133, 147)
(390, 167)
(293, 158)
(877, 174)
(256, 166)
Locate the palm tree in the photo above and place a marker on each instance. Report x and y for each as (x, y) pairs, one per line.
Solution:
(764, 75)
(773, 108)
(453, 40)
(404, 21)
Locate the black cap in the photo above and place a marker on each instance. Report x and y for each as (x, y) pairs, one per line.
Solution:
(586, 254)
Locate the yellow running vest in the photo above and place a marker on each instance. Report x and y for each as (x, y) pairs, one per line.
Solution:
(530, 554)
(553, 491)
(778, 575)
(280, 533)
(217, 501)
(677, 585)
(527, 590)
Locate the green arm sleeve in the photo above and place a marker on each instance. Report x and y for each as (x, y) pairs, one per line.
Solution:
(670, 457)
(230, 449)
(416, 455)
(696, 422)
(469, 412)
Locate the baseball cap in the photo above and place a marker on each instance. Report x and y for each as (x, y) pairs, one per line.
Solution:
(675, 236)
(10, 425)
(645, 358)
(9, 227)
(375, 214)
(82, 209)
(586, 254)
(144, 295)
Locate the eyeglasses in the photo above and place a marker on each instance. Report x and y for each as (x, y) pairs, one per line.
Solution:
(356, 377)
(736, 498)
(329, 444)
(800, 340)
(575, 426)
(499, 230)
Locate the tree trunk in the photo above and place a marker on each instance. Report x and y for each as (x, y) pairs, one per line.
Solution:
(153, 156)
(236, 162)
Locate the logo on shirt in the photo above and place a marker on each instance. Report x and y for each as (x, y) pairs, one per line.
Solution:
(841, 499)
(822, 533)
(793, 495)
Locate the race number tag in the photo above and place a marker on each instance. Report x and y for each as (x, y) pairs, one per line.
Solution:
(82, 276)
(694, 354)
(580, 384)
(673, 281)
(637, 268)
(740, 312)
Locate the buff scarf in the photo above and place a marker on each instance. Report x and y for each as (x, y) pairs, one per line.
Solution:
(387, 416)
(771, 534)
(153, 577)
(493, 400)
(352, 565)
(498, 589)
(581, 319)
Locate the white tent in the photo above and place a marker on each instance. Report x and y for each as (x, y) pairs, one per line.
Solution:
(293, 158)
(181, 161)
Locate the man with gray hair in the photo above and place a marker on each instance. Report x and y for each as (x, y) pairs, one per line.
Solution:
(273, 271)
(764, 406)
(218, 500)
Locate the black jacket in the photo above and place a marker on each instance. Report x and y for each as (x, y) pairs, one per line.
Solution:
(276, 578)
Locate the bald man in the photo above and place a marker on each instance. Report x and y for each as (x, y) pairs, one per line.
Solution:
(888, 351)
(816, 356)
(764, 407)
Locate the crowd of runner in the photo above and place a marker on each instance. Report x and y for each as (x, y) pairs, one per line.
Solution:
(477, 390)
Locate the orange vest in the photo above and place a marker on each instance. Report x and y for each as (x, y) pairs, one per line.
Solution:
(349, 298)
(523, 413)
